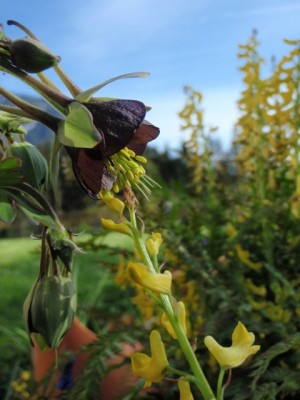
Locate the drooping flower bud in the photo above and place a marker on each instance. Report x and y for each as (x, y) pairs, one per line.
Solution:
(31, 55)
(49, 309)
(34, 165)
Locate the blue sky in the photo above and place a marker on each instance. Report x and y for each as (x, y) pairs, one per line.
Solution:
(179, 42)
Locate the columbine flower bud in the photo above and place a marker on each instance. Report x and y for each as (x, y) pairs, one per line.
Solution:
(49, 309)
(34, 165)
(31, 55)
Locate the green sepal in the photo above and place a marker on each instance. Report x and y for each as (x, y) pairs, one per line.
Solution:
(86, 95)
(78, 130)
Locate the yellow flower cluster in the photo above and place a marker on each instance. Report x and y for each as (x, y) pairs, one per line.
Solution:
(20, 386)
(199, 152)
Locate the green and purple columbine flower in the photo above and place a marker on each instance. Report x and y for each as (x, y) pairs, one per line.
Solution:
(92, 130)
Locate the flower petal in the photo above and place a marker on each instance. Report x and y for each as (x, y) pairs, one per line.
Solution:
(145, 133)
(152, 369)
(238, 352)
(185, 390)
(118, 120)
(156, 282)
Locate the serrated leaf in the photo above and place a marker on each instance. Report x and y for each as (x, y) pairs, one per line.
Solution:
(7, 211)
(78, 130)
(86, 95)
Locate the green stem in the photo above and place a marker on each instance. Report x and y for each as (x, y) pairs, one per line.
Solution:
(15, 111)
(59, 101)
(220, 389)
(200, 379)
(29, 109)
(73, 89)
(180, 373)
(44, 78)
(70, 85)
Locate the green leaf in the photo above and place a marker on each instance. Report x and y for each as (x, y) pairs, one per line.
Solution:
(34, 164)
(87, 94)
(7, 211)
(10, 172)
(78, 130)
(54, 169)
(31, 210)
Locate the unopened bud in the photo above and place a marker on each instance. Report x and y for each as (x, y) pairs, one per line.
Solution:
(31, 55)
(49, 309)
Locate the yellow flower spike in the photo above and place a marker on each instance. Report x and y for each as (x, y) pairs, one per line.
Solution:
(238, 352)
(156, 282)
(110, 225)
(153, 243)
(185, 390)
(181, 318)
(153, 368)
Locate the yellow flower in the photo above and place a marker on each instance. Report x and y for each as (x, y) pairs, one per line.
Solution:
(231, 231)
(185, 390)
(25, 375)
(112, 202)
(110, 225)
(153, 368)
(236, 354)
(244, 256)
(156, 282)
(181, 313)
(153, 243)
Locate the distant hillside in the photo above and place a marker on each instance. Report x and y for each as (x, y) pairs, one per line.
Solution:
(37, 133)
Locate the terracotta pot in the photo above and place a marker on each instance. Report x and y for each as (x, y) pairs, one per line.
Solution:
(115, 384)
